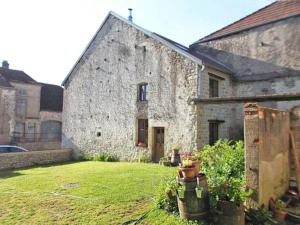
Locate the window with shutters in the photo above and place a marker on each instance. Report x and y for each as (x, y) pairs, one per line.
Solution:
(143, 132)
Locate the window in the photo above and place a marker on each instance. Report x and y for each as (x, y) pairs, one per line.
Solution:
(21, 107)
(213, 88)
(213, 132)
(143, 92)
(22, 92)
(19, 129)
(143, 132)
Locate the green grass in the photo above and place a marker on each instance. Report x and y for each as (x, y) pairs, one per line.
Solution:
(82, 193)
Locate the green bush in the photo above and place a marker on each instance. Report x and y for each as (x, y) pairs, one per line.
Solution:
(259, 216)
(224, 167)
(102, 156)
(144, 158)
(166, 197)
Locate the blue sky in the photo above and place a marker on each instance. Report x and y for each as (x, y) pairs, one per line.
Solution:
(44, 38)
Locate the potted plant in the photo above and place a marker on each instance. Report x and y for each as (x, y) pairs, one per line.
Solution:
(223, 164)
(175, 149)
(187, 169)
(279, 209)
(196, 155)
(175, 156)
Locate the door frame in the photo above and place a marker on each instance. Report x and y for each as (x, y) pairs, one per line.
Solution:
(153, 142)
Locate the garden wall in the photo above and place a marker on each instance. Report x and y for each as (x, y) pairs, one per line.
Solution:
(31, 158)
(267, 152)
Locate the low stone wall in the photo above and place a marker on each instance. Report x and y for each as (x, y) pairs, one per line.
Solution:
(31, 158)
(40, 146)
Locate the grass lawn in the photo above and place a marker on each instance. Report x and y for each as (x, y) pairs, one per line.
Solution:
(82, 193)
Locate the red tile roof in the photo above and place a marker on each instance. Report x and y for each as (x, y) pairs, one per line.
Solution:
(275, 11)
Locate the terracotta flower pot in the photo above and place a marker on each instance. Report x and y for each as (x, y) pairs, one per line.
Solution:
(280, 215)
(188, 172)
(196, 164)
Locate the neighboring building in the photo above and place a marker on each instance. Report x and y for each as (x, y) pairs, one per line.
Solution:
(30, 112)
(135, 91)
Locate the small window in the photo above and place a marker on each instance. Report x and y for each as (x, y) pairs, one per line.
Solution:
(213, 132)
(213, 88)
(22, 92)
(143, 88)
(143, 132)
(21, 107)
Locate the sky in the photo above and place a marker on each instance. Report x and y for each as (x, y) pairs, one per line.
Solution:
(44, 38)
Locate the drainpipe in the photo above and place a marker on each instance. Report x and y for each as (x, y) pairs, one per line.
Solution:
(199, 81)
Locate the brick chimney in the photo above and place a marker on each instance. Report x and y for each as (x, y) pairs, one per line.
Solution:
(5, 64)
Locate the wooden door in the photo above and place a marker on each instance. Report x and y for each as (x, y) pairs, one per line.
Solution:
(158, 146)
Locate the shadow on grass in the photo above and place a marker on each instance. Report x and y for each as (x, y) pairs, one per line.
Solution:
(9, 174)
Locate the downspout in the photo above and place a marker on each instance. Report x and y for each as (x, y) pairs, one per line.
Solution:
(199, 81)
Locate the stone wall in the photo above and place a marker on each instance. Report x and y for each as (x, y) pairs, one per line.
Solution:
(40, 146)
(267, 152)
(26, 159)
(276, 43)
(101, 94)
(7, 114)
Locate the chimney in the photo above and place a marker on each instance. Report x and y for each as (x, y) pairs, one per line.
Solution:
(5, 64)
(130, 14)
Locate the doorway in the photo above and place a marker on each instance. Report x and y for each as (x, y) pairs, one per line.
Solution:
(158, 144)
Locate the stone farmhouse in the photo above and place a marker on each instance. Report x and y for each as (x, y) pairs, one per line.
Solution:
(30, 112)
(133, 90)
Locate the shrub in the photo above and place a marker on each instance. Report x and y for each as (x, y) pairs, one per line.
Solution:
(166, 195)
(223, 164)
(259, 216)
(144, 158)
(102, 156)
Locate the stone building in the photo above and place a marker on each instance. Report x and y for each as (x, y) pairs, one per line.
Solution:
(135, 91)
(30, 112)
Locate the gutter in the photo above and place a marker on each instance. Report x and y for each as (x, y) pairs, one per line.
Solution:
(258, 98)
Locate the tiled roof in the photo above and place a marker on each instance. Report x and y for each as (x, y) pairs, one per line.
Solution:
(16, 75)
(4, 83)
(276, 11)
(51, 98)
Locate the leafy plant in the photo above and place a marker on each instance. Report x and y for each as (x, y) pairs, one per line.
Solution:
(187, 163)
(144, 158)
(196, 155)
(166, 195)
(102, 156)
(259, 216)
(223, 164)
(176, 147)
(280, 205)
(164, 159)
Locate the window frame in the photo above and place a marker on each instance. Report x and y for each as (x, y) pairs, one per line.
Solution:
(142, 132)
(214, 85)
(143, 92)
(17, 111)
(212, 139)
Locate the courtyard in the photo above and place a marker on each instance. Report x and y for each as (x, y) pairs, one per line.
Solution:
(83, 193)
